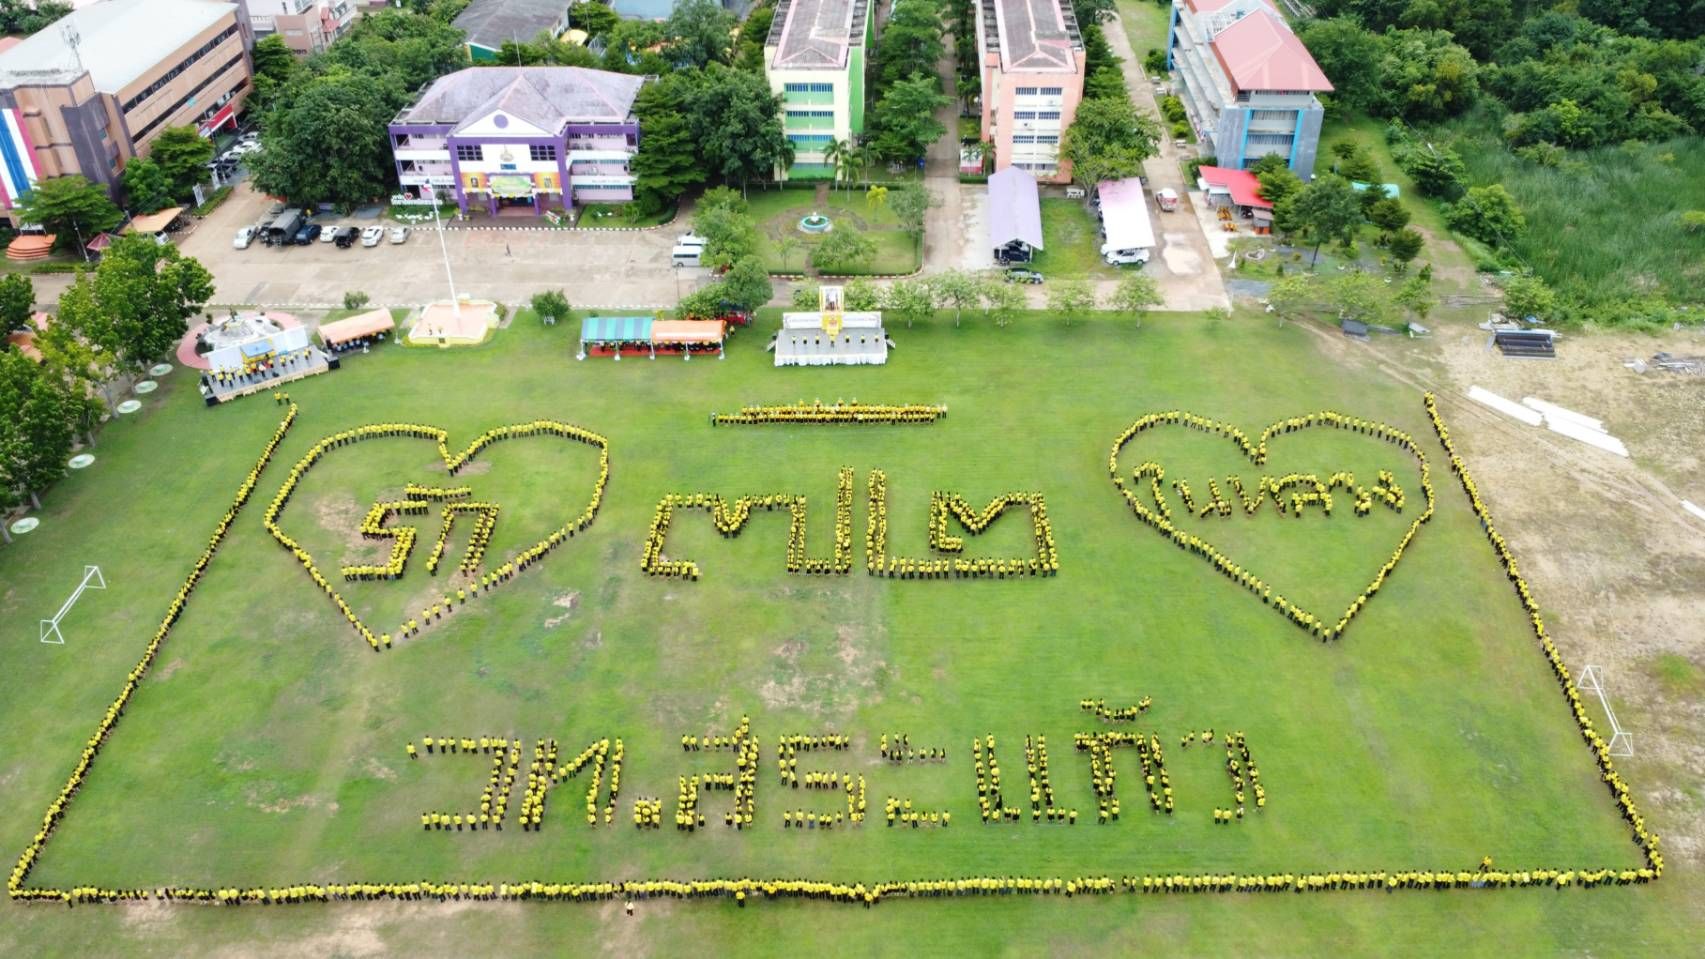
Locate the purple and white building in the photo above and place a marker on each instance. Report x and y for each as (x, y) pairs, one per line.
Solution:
(520, 140)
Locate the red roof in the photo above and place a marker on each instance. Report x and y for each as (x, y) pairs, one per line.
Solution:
(1259, 52)
(1244, 188)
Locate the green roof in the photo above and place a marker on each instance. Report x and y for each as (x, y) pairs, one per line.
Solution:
(615, 329)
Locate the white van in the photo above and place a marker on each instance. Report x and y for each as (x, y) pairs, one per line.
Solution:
(685, 255)
(1139, 256)
(690, 239)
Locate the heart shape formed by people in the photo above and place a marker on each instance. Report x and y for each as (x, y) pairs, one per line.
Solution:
(1159, 515)
(452, 464)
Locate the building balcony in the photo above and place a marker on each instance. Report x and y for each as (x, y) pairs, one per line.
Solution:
(599, 156)
(600, 144)
(583, 170)
(422, 155)
(578, 181)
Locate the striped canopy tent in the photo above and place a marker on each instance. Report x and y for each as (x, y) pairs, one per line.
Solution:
(614, 332)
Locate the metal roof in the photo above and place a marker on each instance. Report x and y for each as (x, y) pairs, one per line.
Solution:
(1037, 36)
(615, 329)
(1125, 215)
(492, 23)
(546, 97)
(816, 34)
(1015, 209)
(1259, 52)
(118, 42)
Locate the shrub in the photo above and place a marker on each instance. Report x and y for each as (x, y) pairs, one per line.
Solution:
(1181, 130)
(1693, 221)
(1172, 108)
(354, 300)
(1155, 62)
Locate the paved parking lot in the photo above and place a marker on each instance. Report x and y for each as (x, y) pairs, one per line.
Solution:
(594, 268)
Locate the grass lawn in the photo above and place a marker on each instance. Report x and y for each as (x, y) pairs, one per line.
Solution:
(1071, 241)
(1146, 25)
(609, 215)
(266, 745)
(777, 213)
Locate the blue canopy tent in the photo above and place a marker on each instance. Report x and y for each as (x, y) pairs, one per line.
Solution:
(614, 334)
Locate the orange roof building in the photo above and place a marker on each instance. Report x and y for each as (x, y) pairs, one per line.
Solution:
(1248, 84)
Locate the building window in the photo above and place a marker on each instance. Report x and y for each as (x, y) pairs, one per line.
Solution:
(468, 153)
(142, 135)
(183, 65)
(1053, 91)
(1025, 114)
(544, 153)
(1047, 114)
(808, 88)
(1025, 91)
(1047, 138)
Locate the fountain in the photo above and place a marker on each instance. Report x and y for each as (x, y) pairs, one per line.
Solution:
(815, 223)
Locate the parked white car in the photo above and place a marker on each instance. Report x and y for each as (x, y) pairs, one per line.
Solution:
(1138, 256)
(399, 234)
(372, 235)
(329, 233)
(245, 236)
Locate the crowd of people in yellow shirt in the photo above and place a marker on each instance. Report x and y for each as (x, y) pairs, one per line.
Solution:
(730, 520)
(837, 412)
(1643, 837)
(1160, 515)
(109, 720)
(452, 462)
(1239, 766)
(945, 507)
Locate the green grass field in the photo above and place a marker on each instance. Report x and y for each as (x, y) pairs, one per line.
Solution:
(1071, 243)
(266, 746)
(777, 213)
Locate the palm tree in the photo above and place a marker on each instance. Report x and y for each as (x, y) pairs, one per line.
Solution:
(858, 160)
(835, 155)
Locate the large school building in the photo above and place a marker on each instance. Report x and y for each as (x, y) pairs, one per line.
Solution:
(814, 59)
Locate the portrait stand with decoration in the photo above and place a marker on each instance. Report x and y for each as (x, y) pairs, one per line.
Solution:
(92, 579)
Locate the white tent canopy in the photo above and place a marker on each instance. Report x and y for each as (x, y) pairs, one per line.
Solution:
(1125, 215)
(802, 341)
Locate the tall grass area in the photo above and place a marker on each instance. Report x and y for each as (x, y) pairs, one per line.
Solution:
(1604, 226)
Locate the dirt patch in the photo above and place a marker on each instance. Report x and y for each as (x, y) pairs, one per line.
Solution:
(593, 640)
(340, 515)
(165, 672)
(287, 803)
(379, 770)
(567, 602)
(835, 685)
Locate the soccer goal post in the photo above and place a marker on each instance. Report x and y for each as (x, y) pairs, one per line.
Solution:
(92, 579)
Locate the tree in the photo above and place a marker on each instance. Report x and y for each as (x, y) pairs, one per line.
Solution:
(1350, 55)
(1136, 294)
(860, 294)
(909, 299)
(595, 18)
(73, 344)
(146, 188)
(729, 233)
(909, 43)
(355, 299)
(325, 142)
(1002, 301)
(1108, 140)
(911, 204)
(1278, 183)
(1355, 162)
(1389, 214)
(1437, 173)
(834, 155)
(1404, 245)
(1425, 76)
(1416, 296)
(1345, 296)
(786, 246)
(550, 306)
(844, 251)
(701, 33)
(183, 154)
(1526, 296)
(956, 289)
(143, 296)
(36, 420)
(904, 119)
(746, 286)
(274, 67)
(71, 208)
(736, 122)
(667, 163)
(1071, 299)
(1488, 214)
(17, 304)
(1325, 209)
